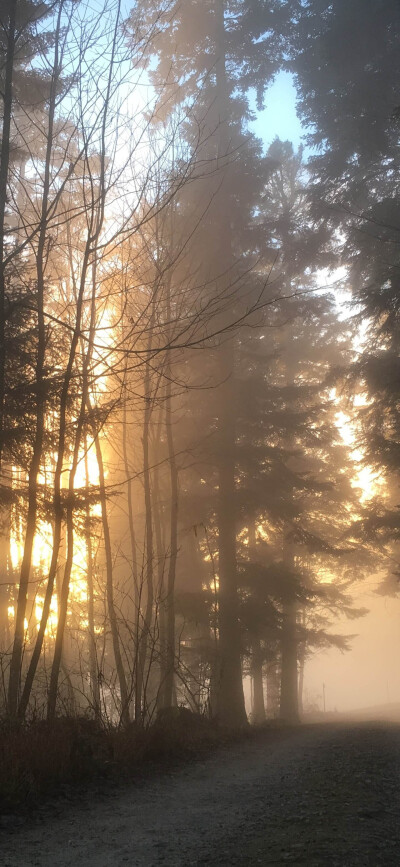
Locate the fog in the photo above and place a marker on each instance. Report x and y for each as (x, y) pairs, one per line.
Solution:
(368, 676)
(199, 344)
(200, 432)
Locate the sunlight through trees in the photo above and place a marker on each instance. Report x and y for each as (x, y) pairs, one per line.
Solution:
(198, 451)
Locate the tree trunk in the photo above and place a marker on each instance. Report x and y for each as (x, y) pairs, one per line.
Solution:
(110, 586)
(289, 703)
(167, 622)
(272, 690)
(301, 682)
(93, 666)
(148, 613)
(131, 523)
(5, 563)
(160, 596)
(258, 709)
(230, 696)
(169, 695)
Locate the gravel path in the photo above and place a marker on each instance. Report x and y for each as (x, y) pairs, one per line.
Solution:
(322, 795)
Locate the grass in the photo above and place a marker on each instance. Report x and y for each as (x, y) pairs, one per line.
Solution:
(40, 759)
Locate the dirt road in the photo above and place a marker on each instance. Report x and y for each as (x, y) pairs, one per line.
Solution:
(323, 795)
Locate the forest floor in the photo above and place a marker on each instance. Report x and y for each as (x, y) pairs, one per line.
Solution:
(317, 795)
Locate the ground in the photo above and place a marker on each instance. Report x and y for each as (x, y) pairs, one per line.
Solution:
(316, 795)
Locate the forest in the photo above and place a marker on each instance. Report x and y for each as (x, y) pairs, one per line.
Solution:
(199, 352)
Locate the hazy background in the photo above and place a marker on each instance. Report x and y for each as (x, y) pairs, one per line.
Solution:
(369, 674)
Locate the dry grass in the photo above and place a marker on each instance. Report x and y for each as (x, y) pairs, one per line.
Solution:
(40, 759)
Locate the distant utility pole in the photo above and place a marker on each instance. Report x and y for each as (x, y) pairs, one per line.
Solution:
(323, 696)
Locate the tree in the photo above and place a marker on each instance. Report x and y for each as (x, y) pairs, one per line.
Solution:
(348, 92)
(225, 50)
(68, 253)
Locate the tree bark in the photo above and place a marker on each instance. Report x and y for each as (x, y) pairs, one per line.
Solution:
(230, 696)
(289, 702)
(289, 705)
(93, 666)
(124, 713)
(159, 535)
(131, 522)
(5, 563)
(258, 709)
(169, 602)
(148, 613)
(272, 690)
(169, 698)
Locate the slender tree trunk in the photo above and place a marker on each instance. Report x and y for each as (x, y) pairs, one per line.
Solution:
(258, 707)
(125, 719)
(301, 682)
(148, 613)
(159, 535)
(93, 666)
(301, 653)
(5, 562)
(230, 696)
(258, 710)
(289, 703)
(64, 593)
(131, 522)
(167, 622)
(168, 691)
(136, 588)
(147, 617)
(272, 690)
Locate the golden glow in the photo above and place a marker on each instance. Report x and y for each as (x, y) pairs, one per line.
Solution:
(263, 533)
(42, 552)
(93, 470)
(53, 615)
(87, 471)
(365, 478)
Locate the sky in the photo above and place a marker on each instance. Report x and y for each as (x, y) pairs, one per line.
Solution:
(368, 675)
(279, 117)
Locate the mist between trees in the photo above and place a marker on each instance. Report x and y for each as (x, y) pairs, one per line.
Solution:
(179, 508)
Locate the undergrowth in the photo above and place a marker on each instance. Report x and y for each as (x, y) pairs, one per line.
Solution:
(39, 759)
